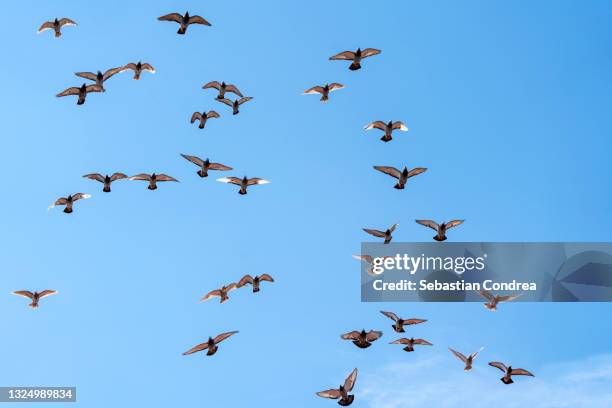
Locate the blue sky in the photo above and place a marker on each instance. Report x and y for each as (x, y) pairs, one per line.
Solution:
(508, 105)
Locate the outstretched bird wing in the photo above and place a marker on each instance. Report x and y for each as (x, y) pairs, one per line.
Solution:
(373, 335)
(176, 17)
(95, 176)
(399, 126)
(219, 167)
(87, 75)
(79, 196)
(93, 88)
(314, 90)
(422, 342)
(520, 371)
(368, 52)
(379, 124)
(458, 355)
(142, 176)
(256, 180)
(391, 171)
(374, 232)
(410, 322)
(224, 336)
(390, 315)
(232, 180)
(24, 293)
(148, 67)
(245, 280)
(226, 101)
(213, 84)
(345, 55)
(233, 89)
(70, 91)
(212, 114)
(454, 223)
(354, 335)
(197, 348)
(165, 177)
(335, 86)
(110, 72)
(195, 160)
(332, 394)
(47, 25)
(499, 365)
(403, 340)
(416, 171)
(118, 176)
(210, 295)
(428, 223)
(66, 21)
(244, 99)
(46, 292)
(367, 259)
(508, 298)
(266, 277)
(349, 383)
(196, 116)
(198, 20)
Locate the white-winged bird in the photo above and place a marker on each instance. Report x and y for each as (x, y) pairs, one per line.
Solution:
(382, 234)
(388, 128)
(56, 25)
(369, 259)
(69, 201)
(324, 90)
(243, 183)
(222, 87)
(400, 323)
(99, 78)
(203, 117)
(236, 103)
(81, 92)
(255, 281)
(342, 392)
(106, 180)
(153, 179)
(401, 176)
(411, 342)
(205, 165)
(509, 372)
(362, 339)
(34, 296)
(211, 345)
(355, 57)
(221, 293)
(467, 360)
(494, 300)
(440, 228)
(138, 68)
(184, 20)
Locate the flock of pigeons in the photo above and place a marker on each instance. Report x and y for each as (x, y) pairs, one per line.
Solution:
(361, 339)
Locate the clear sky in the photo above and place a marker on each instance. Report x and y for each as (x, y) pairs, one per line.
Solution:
(509, 107)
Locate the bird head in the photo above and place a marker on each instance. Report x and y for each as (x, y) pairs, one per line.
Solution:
(206, 162)
(245, 179)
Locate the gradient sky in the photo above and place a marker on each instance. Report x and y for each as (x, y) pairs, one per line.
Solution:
(509, 107)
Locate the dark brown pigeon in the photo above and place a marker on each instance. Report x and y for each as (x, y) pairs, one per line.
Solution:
(34, 296)
(440, 228)
(355, 57)
(324, 90)
(362, 339)
(410, 343)
(205, 165)
(99, 78)
(255, 281)
(401, 176)
(388, 128)
(203, 117)
(509, 372)
(106, 180)
(184, 20)
(69, 201)
(56, 25)
(138, 68)
(222, 87)
(243, 183)
(235, 104)
(342, 392)
(211, 345)
(153, 179)
(81, 92)
(400, 323)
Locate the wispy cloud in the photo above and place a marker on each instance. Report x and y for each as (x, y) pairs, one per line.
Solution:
(440, 382)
